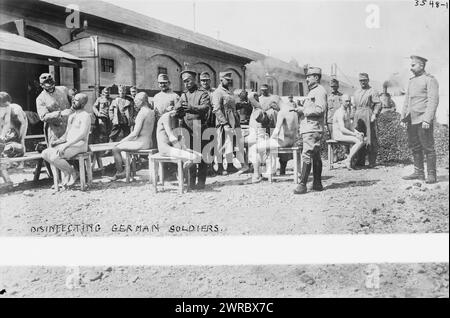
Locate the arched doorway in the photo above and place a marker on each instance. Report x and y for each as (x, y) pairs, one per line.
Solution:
(162, 63)
(237, 78)
(117, 65)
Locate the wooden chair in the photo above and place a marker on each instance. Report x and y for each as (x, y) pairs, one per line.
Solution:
(130, 164)
(156, 161)
(332, 144)
(296, 154)
(28, 156)
(85, 165)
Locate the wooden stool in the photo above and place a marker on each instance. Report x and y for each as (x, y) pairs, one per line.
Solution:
(331, 145)
(130, 164)
(296, 153)
(84, 160)
(156, 160)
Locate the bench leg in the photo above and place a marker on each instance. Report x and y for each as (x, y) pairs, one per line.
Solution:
(127, 166)
(150, 171)
(4, 174)
(155, 169)
(161, 173)
(55, 174)
(330, 157)
(270, 167)
(82, 174)
(180, 177)
(295, 154)
(89, 170)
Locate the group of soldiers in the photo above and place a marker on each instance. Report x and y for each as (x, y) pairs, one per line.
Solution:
(203, 126)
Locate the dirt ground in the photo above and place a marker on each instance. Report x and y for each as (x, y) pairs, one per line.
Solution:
(392, 280)
(354, 202)
(360, 201)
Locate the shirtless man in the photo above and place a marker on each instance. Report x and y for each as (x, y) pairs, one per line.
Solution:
(343, 129)
(141, 136)
(74, 141)
(13, 128)
(285, 134)
(170, 144)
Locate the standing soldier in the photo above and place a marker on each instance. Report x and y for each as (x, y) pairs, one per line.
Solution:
(166, 99)
(101, 112)
(419, 110)
(367, 108)
(311, 128)
(196, 104)
(228, 122)
(121, 114)
(53, 107)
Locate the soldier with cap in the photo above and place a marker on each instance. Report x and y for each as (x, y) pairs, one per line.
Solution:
(166, 99)
(270, 104)
(418, 114)
(75, 140)
(101, 112)
(367, 105)
(53, 107)
(228, 123)
(121, 114)
(312, 127)
(196, 104)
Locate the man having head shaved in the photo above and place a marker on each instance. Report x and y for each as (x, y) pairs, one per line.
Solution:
(141, 136)
(73, 142)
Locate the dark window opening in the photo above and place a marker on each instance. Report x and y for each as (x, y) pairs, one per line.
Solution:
(107, 65)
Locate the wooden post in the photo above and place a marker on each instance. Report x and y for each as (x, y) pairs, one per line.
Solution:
(76, 78)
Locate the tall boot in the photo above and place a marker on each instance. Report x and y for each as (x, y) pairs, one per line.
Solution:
(418, 173)
(192, 176)
(306, 170)
(317, 174)
(201, 175)
(283, 165)
(431, 168)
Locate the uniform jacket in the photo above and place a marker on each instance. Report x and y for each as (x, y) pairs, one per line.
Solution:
(199, 104)
(421, 100)
(128, 110)
(315, 108)
(224, 107)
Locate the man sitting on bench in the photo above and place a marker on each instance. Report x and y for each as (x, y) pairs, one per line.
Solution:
(141, 136)
(169, 144)
(73, 142)
(343, 130)
(13, 128)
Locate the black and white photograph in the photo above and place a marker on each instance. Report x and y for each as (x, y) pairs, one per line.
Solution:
(224, 149)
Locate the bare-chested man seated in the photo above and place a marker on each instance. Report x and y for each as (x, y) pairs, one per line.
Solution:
(284, 135)
(343, 129)
(141, 136)
(171, 145)
(73, 142)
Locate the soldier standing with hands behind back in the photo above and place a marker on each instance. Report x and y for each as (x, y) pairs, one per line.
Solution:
(419, 110)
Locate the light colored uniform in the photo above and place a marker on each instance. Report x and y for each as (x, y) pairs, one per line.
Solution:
(163, 100)
(49, 106)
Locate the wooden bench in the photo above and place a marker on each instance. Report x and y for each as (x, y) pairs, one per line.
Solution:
(28, 156)
(296, 153)
(156, 161)
(332, 144)
(130, 163)
(85, 165)
(97, 149)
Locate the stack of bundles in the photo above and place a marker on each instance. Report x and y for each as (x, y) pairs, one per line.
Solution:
(441, 143)
(392, 140)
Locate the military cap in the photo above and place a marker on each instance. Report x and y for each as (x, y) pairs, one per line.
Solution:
(205, 76)
(163, 78)
(314, 71)
(334, 82)
(226, 75)
(186, 73)
(419, 58)
(46, 78)
(264, 86)
(105, 90)
(363, 76)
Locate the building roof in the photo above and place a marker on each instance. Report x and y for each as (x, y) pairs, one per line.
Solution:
(16, 43)
(121, 15)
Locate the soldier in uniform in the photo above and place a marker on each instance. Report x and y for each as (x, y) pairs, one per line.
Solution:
(121, 114)
(367, 108)
(53, 107)
(311, 128)
(418, 114)
(228, 122)
(101, 112)
(166, 99)
(196, 103)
